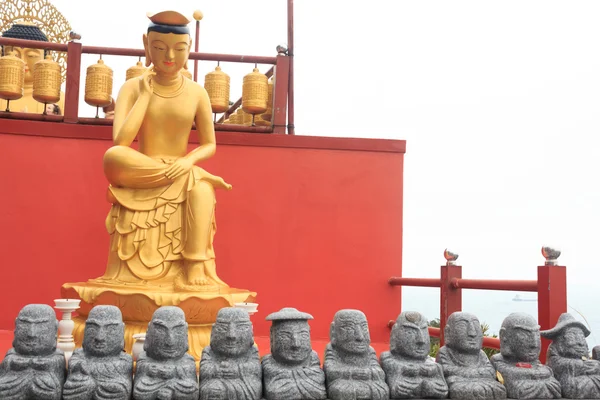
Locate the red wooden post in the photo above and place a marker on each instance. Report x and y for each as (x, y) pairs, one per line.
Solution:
(450, 298)
(282, 71)
(552, 294)
(72, 89)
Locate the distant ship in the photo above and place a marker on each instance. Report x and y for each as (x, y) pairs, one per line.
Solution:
(519, 298)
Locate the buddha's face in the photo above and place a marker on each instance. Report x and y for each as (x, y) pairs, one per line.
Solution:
(30, 56)
(168, 52)
(525, 343)
(290, 341)
(410, 337)
(103, 337)
(232, 336)
(463, 333)
(350, 332)
(571, 343)
(167, 336)
(35, 332)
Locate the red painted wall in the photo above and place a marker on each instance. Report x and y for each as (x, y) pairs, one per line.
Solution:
(312, 223)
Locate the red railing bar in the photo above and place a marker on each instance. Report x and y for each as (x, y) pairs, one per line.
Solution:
(243, 128)
(422, 282)
(113, 51)
(488, 284)
(30, 116)
(33, 44)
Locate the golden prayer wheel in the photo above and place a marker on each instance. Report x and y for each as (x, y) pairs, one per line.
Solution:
(217, 86)
(12, 77)
(137, 70)
(46, 80)
(233, 119)
(254, 92)
(187, 74)
(267, 115)
(98, 85)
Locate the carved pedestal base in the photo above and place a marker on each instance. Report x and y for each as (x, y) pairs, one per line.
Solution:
(138, 302)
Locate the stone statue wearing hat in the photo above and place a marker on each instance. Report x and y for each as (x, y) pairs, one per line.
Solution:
(408, 372)
(100, 370)
(351, 367)
(230, 366)
(467, 369)
(568, 356)
(293, 370)
(525, 377)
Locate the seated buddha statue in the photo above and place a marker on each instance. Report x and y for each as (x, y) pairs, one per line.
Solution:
(467, 369)
(30, 56)
(525, 377)
(162, 221)
(351, 367)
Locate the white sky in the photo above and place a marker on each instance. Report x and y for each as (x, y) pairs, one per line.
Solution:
(499, 102)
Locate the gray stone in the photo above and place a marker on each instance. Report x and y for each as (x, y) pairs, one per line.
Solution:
(408, 371)
(351, 367)
(164, 369)
(525, 377)
(293, 370)
(230, 366)
(568, 356)
(596, 353)
(101, 370)
(467, 369)
(34, 368)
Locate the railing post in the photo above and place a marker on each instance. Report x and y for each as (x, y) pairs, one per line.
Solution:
(72, 90)
(282, 75)
(552, 294)
(450, 298)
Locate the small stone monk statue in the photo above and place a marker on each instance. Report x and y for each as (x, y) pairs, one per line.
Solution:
(33, 368)
(408, 372)
(293, 370)
(467, 369)
(230, 366)
(101, 370)
(164, 369)
(351, 366)
(568, 356)
(518, 362)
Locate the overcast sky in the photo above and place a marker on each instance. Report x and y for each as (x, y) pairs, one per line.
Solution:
(499, 102)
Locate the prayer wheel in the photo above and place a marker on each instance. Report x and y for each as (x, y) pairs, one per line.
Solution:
(217, 85)
(12, 77)
(233, 119)
(46, 80)
(187, 73)
(137, 70)
(254, 92)
(267, 115)
(98, 85)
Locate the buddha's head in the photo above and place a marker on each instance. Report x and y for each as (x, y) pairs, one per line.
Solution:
(463, 333)
(35, 330)
(410, 336)
(29, 56)
(167, 42)
(349, 332)
(104, 333)
(520, 338)
(290, 336)
(568, 337)
(167, 336)
(232, 334)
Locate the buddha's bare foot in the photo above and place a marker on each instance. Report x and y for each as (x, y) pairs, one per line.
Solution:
(210, 268)
(195, 273)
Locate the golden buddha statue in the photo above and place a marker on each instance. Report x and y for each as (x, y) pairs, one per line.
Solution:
(162, 219)
(27, 103)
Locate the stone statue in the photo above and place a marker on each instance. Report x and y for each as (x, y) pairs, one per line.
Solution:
(568, 356)
(34, 369)
(293, 370)
(467, 369)
(409, 374)
(101, 370)
(518, 362)
(596, 353)
(163, 214)
(351, 366)
(230, 366)
(164, 370)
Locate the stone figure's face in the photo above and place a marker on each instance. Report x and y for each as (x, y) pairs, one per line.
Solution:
(571, 343)
(103, 337)
(290, 342)
(35, 332)
(350, 333)
(410, 339)
(30, 56)
(525, 343)
(232, 337)
(167, 336)
(168, 51)
(464, 333)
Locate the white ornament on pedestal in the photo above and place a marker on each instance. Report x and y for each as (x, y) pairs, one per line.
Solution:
(251, 308)
(138, 345)
(65, 341)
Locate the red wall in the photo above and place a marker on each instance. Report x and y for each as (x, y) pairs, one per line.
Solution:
(312, 223)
